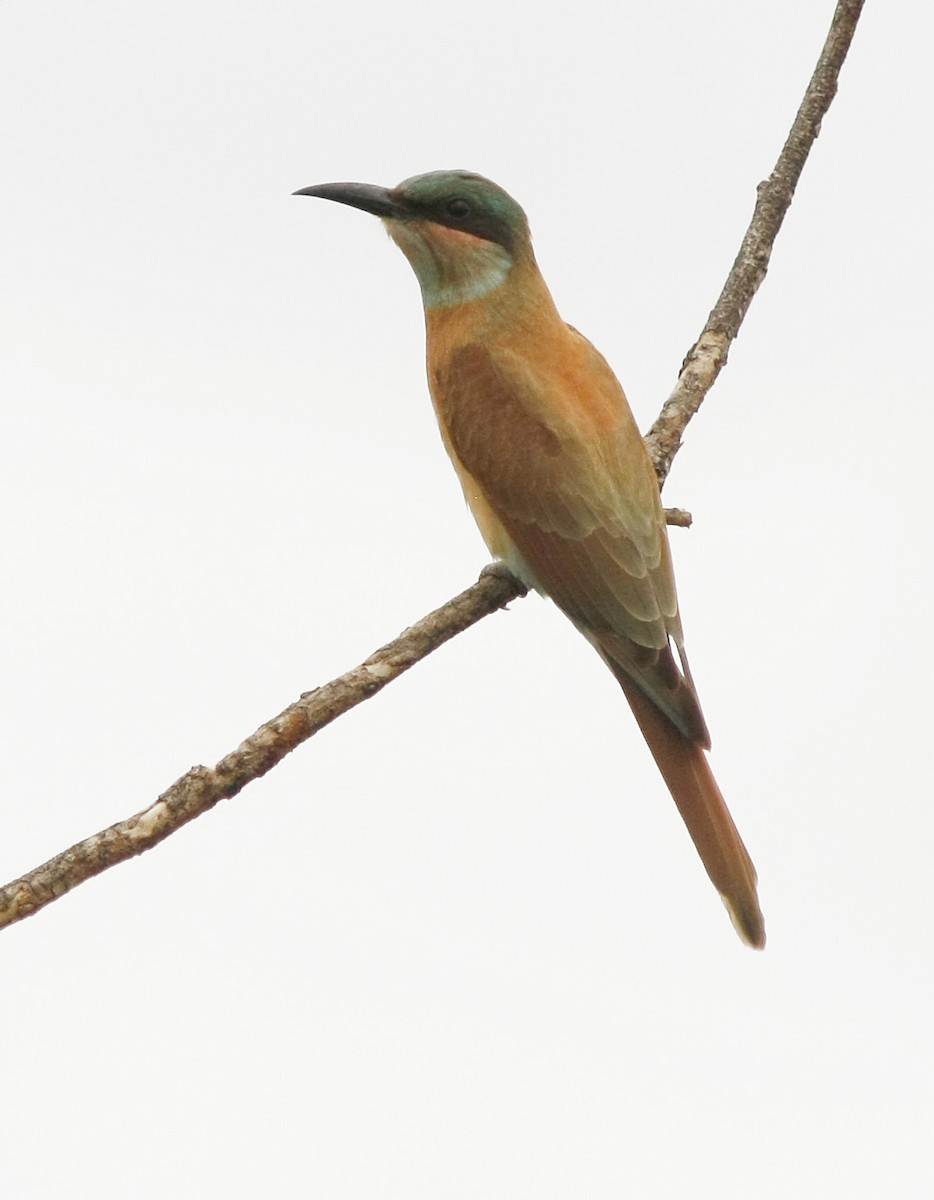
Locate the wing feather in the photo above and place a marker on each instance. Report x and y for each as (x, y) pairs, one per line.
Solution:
(556, 454)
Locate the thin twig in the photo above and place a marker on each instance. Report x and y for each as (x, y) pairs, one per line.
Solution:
(708, 355)
(202, 787)
(679, 517)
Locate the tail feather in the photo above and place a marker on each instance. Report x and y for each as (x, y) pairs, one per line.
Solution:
(685, 769)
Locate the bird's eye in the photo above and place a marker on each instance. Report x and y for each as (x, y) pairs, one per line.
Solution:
(458, 208)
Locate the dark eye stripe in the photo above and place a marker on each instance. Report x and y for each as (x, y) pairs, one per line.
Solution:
(457, 212)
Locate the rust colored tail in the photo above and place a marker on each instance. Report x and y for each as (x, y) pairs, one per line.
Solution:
(684, 767)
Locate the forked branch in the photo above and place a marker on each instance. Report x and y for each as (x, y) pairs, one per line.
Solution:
(202, 787)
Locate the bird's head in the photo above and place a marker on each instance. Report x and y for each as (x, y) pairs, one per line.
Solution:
(461, 232)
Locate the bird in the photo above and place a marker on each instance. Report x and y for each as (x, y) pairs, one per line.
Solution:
(557, 476)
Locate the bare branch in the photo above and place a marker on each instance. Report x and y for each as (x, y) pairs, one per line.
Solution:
(708, 355)
(202, 787)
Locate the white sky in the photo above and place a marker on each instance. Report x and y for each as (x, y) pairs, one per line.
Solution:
(460, 944)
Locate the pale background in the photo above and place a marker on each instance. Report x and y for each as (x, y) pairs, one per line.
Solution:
(460, 944)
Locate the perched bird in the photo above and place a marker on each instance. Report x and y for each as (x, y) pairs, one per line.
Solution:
(556, 474)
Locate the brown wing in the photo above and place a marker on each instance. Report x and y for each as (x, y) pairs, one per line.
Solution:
(556, 453)
(550, 450)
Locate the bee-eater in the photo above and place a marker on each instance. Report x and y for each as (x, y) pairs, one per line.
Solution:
(556, 474)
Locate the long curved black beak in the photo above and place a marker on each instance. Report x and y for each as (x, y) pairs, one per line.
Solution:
(377, 200)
